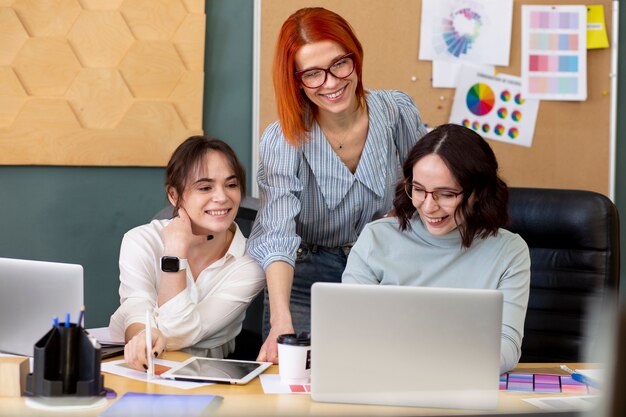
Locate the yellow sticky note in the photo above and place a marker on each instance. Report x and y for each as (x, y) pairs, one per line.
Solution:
(596, 28)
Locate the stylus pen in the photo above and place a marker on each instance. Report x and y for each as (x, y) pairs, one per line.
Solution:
(150, 370)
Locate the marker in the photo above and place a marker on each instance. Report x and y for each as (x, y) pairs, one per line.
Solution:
(580, 377)
(67, 319)
(55, 321)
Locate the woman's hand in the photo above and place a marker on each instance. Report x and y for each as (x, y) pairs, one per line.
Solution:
(269, 350)
(135, 352)
(177, 235)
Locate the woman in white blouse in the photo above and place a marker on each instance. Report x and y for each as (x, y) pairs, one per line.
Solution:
(191, 273)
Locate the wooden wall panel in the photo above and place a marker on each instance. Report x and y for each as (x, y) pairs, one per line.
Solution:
(91, 82)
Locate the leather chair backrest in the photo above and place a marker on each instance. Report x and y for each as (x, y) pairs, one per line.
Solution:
(573, 237)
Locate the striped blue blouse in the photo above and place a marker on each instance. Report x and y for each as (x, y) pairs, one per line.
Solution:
(308, 194)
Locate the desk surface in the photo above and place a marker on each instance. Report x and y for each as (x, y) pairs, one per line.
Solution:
(249, 400)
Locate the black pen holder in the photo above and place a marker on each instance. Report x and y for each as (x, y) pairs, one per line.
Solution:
(66, 362)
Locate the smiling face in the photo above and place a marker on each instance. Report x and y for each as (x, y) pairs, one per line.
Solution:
(212, 195)
(335, 95)
(430, 173)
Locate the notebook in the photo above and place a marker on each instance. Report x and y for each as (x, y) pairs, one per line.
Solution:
(405, 346)
(33, 292)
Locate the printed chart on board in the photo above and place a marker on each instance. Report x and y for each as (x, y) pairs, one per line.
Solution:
(494, 106)
(554, 52)
(477, 31)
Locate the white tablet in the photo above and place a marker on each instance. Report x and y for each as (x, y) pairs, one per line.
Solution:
(216, 370)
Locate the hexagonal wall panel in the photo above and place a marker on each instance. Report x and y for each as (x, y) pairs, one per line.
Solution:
(194, 6)
(12, 35)
(187, 42)
(99, 97)
(152, 69)
(99, 82)
(46, 66)
(47, 113)
(100, 38)
(12, 96)
(153, 19)
(47, 18)
(102, 5)
(187, 97)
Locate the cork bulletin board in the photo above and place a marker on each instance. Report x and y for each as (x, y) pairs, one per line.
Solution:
(571, 144)
(95, 82)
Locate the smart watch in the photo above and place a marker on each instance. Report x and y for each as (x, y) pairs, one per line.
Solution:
(173, 264)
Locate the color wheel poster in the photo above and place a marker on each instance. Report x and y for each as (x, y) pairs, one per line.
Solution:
(554, 52)
(477, 31)
(495, 107)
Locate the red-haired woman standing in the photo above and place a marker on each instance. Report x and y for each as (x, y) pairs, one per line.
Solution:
(328, 166)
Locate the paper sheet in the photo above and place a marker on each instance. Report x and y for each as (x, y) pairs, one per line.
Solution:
(103, 336)
(582, 403)
(494, 106)
(596, 28)
(554, 52)
(119, 367)
(272, 384)
(477, 31)
(446, 73)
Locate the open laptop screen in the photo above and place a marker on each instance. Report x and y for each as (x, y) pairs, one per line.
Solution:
(33, 293)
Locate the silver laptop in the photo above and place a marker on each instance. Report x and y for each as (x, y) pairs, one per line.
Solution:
(405, 346)
(32, 293)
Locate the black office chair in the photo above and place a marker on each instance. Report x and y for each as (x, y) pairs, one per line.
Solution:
(249, 341)
(573, 238)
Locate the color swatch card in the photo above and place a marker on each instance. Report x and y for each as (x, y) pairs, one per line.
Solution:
(477, 31)
(544, 383)
(494, 106)
(554, 52)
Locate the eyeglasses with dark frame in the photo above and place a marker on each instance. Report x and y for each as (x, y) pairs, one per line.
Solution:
(340, 68)
(444, 198)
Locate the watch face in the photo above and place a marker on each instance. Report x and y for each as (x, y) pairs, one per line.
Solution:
(170, 264)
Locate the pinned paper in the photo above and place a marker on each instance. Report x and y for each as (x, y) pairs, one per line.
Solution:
(494, 106)
(554, 52)
(596, 28)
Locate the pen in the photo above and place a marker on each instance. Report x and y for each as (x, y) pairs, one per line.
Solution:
(580, 377)
(67, 319)
(150, 370)
(79, 322)
(55, 321)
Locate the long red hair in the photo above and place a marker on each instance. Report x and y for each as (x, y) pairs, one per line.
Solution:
(312, 24)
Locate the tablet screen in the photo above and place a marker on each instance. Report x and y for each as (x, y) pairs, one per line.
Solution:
(217, 370)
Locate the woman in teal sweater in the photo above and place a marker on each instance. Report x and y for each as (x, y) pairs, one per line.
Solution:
(447, 232)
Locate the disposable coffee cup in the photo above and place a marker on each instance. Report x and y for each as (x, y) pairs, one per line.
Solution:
(294, 358)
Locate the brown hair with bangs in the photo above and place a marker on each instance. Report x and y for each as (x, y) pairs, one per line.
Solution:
(190, 157)
(474, 166)
(308, 25)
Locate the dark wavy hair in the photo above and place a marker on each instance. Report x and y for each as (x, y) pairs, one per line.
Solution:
(190, 157)
(474, 166)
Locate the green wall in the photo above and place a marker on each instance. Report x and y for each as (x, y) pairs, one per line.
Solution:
(79, 214)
